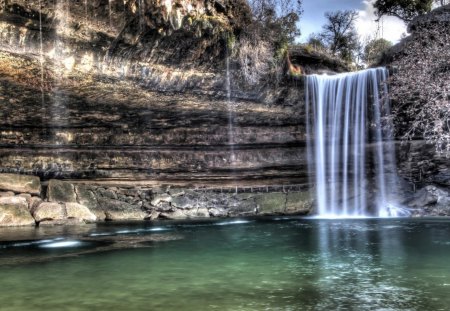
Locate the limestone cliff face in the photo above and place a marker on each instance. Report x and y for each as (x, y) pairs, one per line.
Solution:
(137, 90)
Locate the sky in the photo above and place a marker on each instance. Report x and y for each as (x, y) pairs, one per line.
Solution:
(313, 19)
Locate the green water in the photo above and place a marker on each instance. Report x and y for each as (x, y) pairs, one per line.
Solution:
(271, 264)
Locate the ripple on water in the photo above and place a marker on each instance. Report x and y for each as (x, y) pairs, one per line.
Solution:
(156, 229)
(61, 244)
(232, 222)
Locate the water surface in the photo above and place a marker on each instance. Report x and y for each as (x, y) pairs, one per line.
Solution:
(265, 264)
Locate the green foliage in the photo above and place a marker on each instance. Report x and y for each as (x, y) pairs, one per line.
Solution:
(263, 45)
(403, 9)
(231, 41)
(281, 52)
(315, 41)
(277, 20)
(374, 49)
(309, 48)
(339, 35)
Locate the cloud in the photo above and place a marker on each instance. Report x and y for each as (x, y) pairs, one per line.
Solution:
(391, 28)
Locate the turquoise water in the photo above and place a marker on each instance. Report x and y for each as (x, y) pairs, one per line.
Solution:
(265, 264)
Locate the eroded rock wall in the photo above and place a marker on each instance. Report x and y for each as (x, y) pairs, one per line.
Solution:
(420, 91)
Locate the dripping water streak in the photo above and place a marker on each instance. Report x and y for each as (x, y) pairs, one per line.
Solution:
(41, 54)
(141, 18)
(230, 108)
(86, 9)
(110, 13)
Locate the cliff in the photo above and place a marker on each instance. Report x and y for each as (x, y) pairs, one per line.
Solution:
(135, 96)
(420, 93)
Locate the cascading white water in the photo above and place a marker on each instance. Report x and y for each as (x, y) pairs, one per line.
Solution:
(348, 146)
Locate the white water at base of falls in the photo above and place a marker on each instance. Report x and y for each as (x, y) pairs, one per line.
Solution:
(350, 151)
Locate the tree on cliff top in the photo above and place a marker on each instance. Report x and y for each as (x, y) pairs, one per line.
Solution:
(403, 9)
(263, 44)
(278, 19)
(340, 36)
(374, 49)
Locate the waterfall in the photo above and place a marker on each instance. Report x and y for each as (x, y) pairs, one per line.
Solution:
(350, 151)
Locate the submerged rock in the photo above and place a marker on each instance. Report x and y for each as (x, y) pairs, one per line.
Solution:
(14, 212)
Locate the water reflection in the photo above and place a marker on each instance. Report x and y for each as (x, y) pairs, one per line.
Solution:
(372, 263)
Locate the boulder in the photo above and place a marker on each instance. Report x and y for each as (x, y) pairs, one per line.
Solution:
(20, 183)
(6, 194)
(117, 210)
(175, 192)
(61, 191)
(218, 212)
(164, 207)
(153, 215)
(108, 193)
(178, 214)
(429, 195)
(33, 203)
(49, 211)
(187, 214)
(430, 201)
(161, 198)
(183, 202)
(80, 212)
(197, 213)
(86, 196)
(14, 212)
(27, 196)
